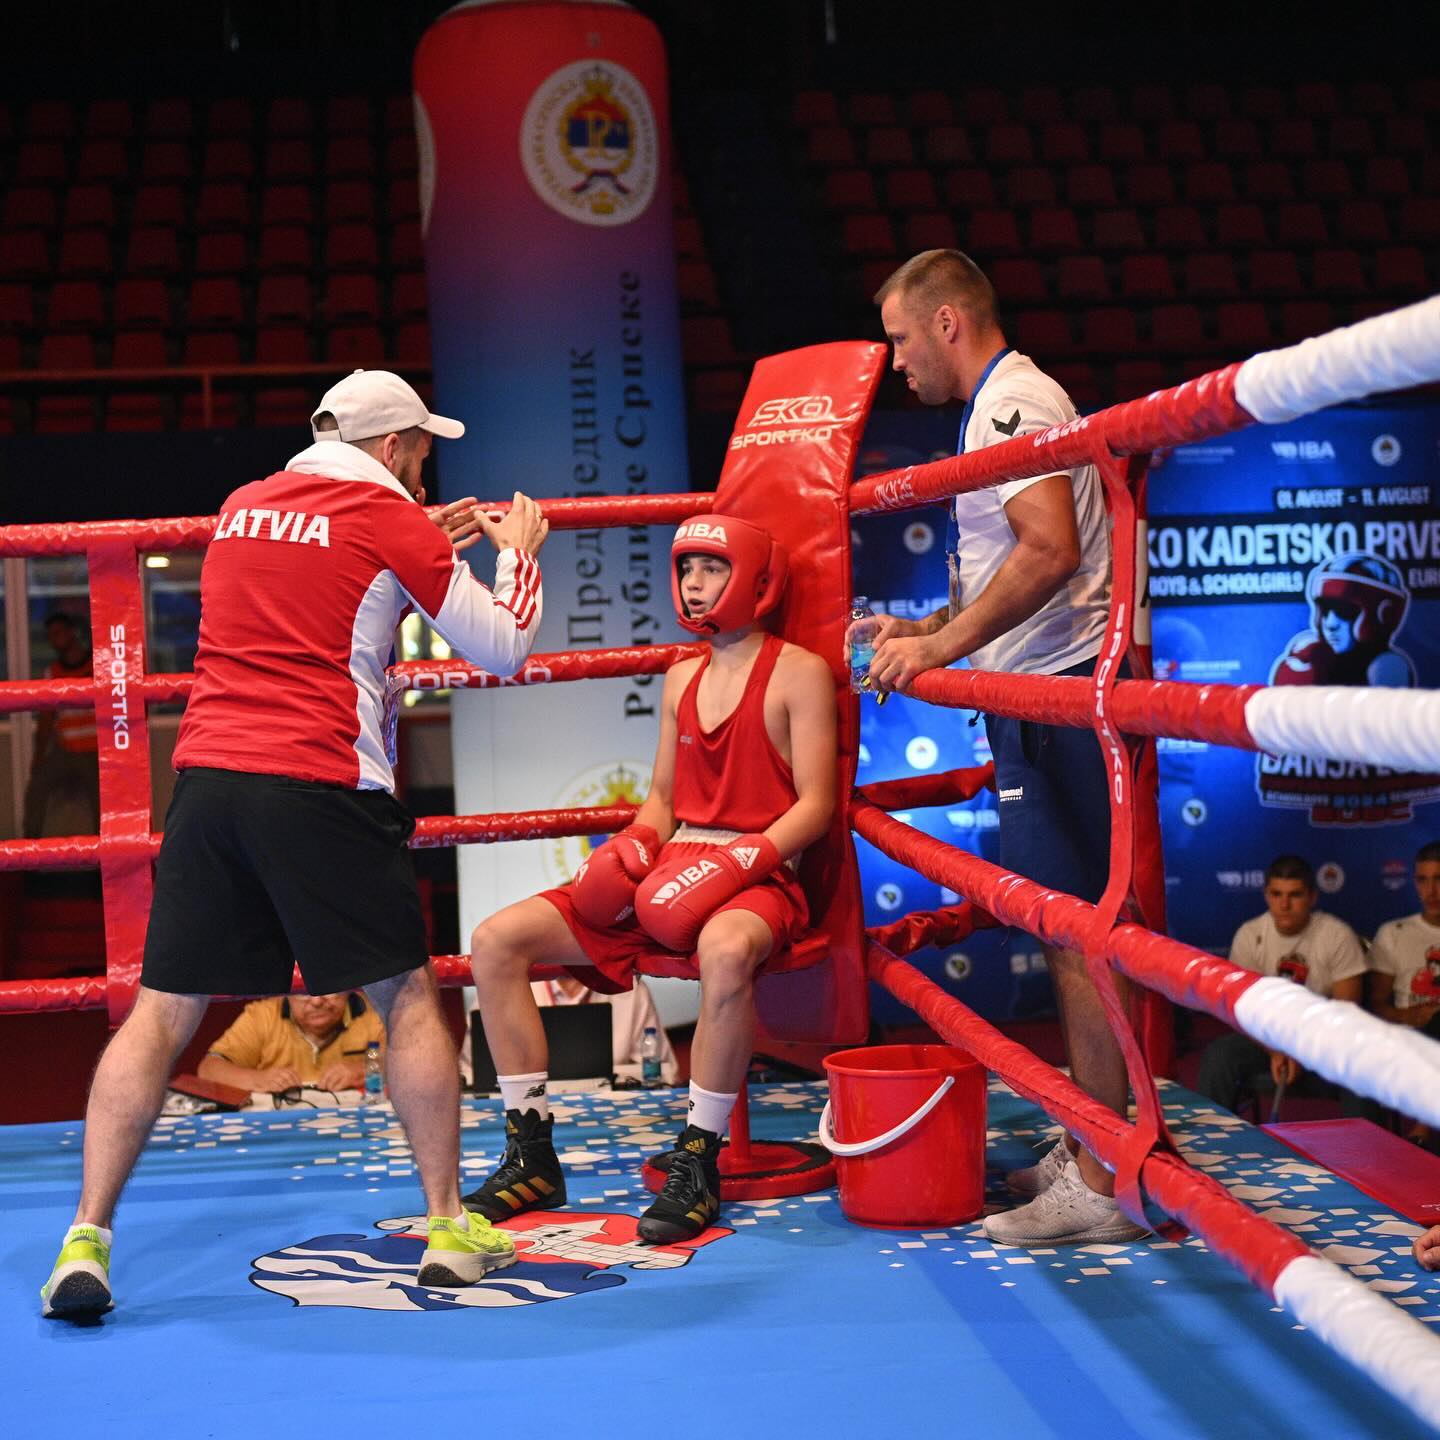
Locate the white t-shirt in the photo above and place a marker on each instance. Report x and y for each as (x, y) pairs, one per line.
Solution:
(1018, 398)
(631, 1013)
(1404, 949)
(1327, 950)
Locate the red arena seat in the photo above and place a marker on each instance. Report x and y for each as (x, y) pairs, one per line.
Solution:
(992, 232)
(215, 303)
(282, 298)
(282, 345)
(165, 161)
(947, 145)
(142, 303)
(906, 190)
(1301, 225)
(92, 205)
(851, 190)
(1053, 230)
(1337, 272)
(139, 350)
(1114, 230)
(75, 305)
(1019, 281)
(1275, 272)
(1146, 277)
(1044, 333)
(1091, 186)
(1210, 273)
(161, 204)
(1082, 277)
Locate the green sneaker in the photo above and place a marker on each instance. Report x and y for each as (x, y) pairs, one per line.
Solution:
(79, 1285)
(463, 1250)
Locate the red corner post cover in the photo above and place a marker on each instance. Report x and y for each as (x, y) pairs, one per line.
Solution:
(788, 469)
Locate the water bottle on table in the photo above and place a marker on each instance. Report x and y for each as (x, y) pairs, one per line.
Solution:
(863, 624)
(374, 1076)
(650, 1058)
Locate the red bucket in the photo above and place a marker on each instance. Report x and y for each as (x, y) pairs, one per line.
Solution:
(908, 1134)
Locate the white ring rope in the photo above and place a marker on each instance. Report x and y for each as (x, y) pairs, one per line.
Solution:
(1400, 728)
(1370, 1331)
(1386, 352)
(1391, 1063)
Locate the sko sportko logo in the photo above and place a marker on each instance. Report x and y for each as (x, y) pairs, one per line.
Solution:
(747, 855)
(561, 1255)
(684, 879)
(789, 421)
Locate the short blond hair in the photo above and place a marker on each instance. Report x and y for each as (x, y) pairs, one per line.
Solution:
(943, 277)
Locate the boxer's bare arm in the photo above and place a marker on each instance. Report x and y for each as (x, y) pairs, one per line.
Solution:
(657, 810)
(807, 689)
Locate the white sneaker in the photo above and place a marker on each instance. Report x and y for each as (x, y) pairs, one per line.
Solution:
(1068, 1213)
(1036, 1179)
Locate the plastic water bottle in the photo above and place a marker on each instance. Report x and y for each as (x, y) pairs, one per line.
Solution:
(650, 1058)
(374, 1076)
(862, 644)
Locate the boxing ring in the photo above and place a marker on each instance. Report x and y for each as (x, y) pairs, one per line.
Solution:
(1175, 1155)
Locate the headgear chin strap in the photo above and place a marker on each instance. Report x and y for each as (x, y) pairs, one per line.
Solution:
(757, 572)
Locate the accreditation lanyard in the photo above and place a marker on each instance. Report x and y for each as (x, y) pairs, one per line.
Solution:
(952, 527)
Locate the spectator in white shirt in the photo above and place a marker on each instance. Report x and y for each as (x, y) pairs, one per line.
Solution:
(1294, 940)
(1405, 958)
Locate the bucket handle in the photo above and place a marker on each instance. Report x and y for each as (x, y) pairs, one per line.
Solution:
(866, 1147)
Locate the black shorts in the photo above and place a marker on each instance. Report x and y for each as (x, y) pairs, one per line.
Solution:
(1054, 802)
(259, 873)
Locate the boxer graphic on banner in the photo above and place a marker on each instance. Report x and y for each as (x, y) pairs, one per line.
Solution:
(1358, 603)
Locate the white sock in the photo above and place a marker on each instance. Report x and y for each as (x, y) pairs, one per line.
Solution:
(526, 1092)
(710, 1111)
(100, 1230)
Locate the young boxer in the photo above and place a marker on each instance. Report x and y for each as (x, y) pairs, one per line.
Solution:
(744, 780)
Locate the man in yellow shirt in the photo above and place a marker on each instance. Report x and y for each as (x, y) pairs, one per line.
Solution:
(282, 1043)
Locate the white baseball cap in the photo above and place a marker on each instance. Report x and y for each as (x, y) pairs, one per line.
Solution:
(367, 403)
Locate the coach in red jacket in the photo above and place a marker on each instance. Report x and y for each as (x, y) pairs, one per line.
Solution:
(284, 843)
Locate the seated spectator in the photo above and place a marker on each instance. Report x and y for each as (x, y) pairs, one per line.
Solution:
(62, 795)
(632, 1012)
(290, 1041)
(1294, 940)
(1405, 958)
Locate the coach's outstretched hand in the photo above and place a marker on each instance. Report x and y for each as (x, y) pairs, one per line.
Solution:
(524, 528)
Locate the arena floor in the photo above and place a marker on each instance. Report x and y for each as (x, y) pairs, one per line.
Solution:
(264, 1275)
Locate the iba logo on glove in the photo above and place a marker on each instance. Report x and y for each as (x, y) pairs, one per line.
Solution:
(747, 855)
(684, 879)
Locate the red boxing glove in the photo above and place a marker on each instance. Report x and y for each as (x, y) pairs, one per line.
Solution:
(677, 898)
(603, 889)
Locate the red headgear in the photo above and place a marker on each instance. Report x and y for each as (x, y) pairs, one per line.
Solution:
(757, 572)
(1374, 586)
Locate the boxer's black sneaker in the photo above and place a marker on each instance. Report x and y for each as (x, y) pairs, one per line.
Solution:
(528, 1178)
(689, 1203)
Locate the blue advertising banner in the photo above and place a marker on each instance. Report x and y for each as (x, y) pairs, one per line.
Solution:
(1302, 554)
(1306, 553)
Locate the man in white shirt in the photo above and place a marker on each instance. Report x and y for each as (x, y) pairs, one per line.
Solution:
(1029, 594)
(1405, 958)
(1294, 940)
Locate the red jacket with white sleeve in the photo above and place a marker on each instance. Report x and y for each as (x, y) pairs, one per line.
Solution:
(303, 585)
